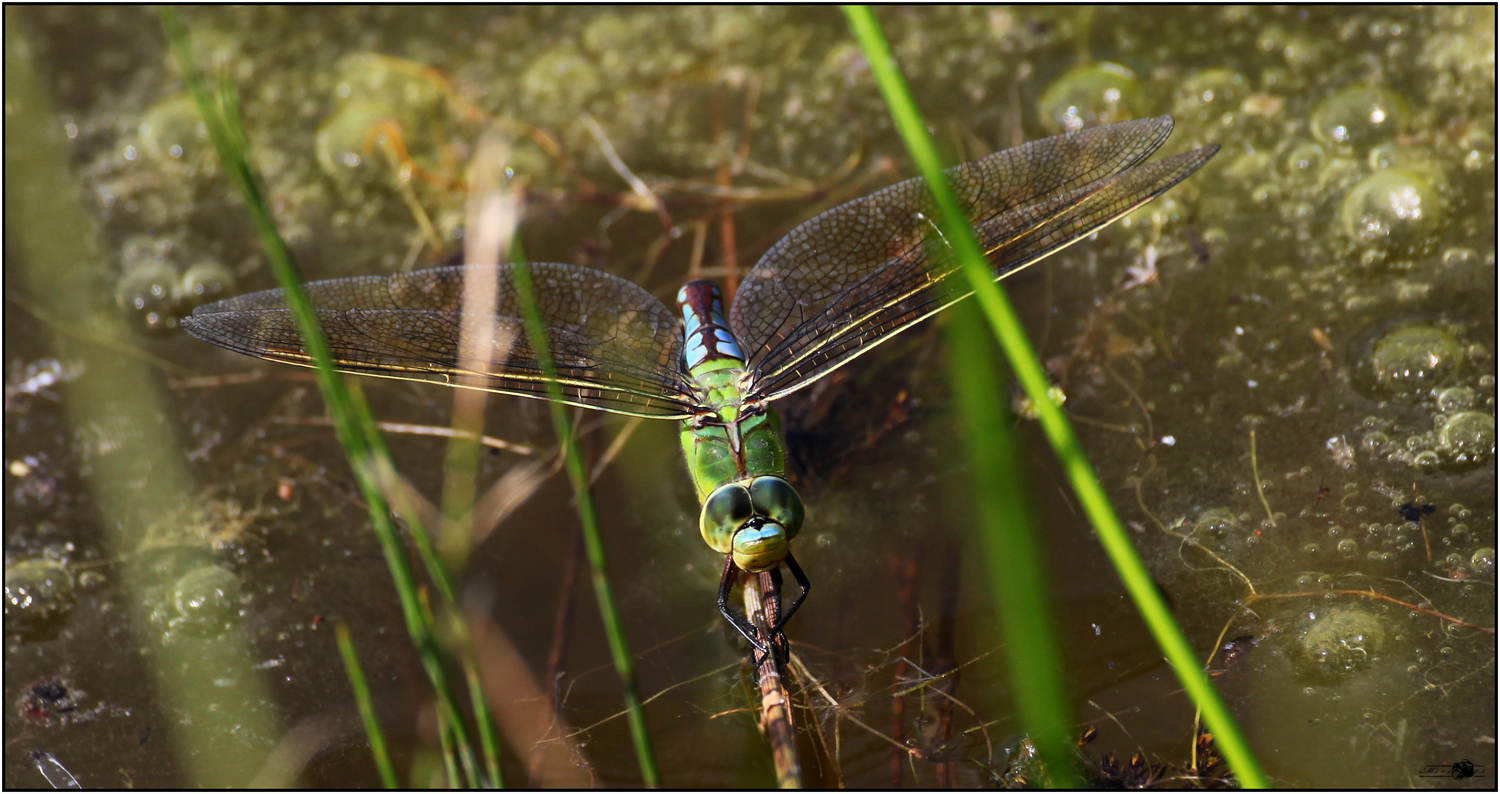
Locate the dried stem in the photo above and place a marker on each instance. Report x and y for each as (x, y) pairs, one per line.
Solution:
(763, 605)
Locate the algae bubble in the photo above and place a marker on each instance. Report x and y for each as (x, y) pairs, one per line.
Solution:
(205, 600)
(1210, 93)
(1214, 524)
(37, 592)
(1090, 95)
(203, 282)
(1468, 437)
(172, 129)
(145, 294)
(1304, 158)
(1392, 208)
(1456, 399)
(1343, 641)
(1426, 461)
(1483, 561)
(1360, 115)
(379, 96)
(1414, 355)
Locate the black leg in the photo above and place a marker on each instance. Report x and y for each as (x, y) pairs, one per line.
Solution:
(777, 640)
(726, 583)
(802, 582)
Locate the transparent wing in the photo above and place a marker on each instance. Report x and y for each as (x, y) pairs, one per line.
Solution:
(616, 347)
(858, 274)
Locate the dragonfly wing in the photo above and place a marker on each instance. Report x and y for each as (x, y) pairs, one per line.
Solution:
(863, 271)
(615, 346)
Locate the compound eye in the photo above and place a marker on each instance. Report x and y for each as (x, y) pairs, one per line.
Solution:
(775, 499)
(724, 512)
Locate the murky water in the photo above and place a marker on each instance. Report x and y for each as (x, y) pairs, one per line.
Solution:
(1284, 371)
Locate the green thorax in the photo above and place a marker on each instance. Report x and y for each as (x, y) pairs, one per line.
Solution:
(735, 442)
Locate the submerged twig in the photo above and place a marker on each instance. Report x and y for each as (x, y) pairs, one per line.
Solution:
(906, 593)
(1135, 398)
(1259, 489)
(1140, 500)
(401, 428)
(641, 189)
(561, 634)
(1371, 593)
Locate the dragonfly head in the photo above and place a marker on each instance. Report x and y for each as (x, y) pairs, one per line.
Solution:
(753, 519)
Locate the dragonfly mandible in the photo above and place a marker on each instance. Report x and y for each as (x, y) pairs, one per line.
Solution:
(829, 291)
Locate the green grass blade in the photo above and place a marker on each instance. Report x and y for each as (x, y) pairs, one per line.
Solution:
(489, 733)
(366, 707)
(614, 628)
(445, 745)
(353, 423)
(1007, 328)
(459, 746)
(459, 640)
(1008, 539)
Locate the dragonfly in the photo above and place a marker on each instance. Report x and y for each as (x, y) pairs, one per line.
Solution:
(828, 292)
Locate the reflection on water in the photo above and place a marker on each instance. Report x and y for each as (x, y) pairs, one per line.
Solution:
(1327, 285)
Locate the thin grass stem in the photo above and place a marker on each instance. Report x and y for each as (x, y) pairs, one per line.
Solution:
(614, 627)
(366, 707)
(1029, 371)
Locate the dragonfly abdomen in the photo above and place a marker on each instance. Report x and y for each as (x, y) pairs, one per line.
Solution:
(707, 338)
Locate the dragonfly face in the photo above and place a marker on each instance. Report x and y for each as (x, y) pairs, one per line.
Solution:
(829, 291)
(753, 520)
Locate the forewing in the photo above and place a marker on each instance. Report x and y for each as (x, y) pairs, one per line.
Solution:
(615, 346)
(861, 272)
(927, 279)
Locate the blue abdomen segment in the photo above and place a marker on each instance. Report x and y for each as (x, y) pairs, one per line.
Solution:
(707, 337)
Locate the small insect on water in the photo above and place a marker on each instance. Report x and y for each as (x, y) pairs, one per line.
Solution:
(1414, 511)
(829, 291)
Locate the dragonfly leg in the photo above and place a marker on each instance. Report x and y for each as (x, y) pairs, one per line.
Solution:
(802, 582)
(743, 626)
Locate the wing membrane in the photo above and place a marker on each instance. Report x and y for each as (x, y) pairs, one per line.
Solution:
(615, 346)
(861, 272)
